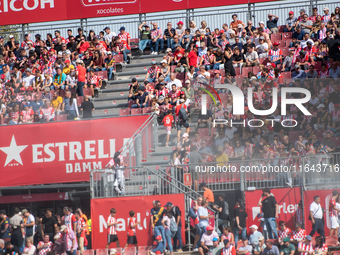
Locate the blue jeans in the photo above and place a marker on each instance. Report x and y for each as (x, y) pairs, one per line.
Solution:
(219, 223)
(178, 237)
(168, 239)
(271, 227)
(169, 42)
(110, 72)
(286, 30)
(143, 43)
(236, 234)
(156, 44)
(152, 79)
(80, 86)
(98, 69)
(141, 106)
(159, 230)
(202, 229)
(216, 66)
(318, 227)
(192, 214)
(71, 253)
(125, 52)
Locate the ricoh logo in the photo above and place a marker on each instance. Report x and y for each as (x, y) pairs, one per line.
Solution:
(29, 5)
(238, 105)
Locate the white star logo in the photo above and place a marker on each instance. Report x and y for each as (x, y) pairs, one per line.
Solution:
(13, 152)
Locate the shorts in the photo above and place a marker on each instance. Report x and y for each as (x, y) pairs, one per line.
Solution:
(168, 129)
(205, 251)
(112, 238)
(132, 240)
(334, 222)
(181, 123)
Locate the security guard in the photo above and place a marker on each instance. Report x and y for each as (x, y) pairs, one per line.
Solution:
(17, 225)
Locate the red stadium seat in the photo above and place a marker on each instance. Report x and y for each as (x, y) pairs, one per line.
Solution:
(203, 131)
(87, 92)
(129, 251)
(287, 76)
(331, 241)
(239, 244)
(172, 69)
(136, 111)
(118, 58)
(237, 71)
(222, 72)
(131, 103)
(281, 29)
(77, 252)
(294, 135)
(263, 61)
(282, 44)
(101, 251)
(285, 51)
(288, 41)
(80, 99)
(88, 252)
(134, 43)
(62, 93)
(337, 141)
(256, 69)
(287, 35)
(180, 76)
(275, 37)
(61, 117)
(246, 70)
(124, 112)
(224, 97)
(147, 110)
(102, 74)
(143, 250)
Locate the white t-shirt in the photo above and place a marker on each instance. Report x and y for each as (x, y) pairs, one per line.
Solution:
(261, 47)
(30, 219)
(208, 239)
(108, 37)
(316, 209)
(203, 212)
(202, 78)
(71, 80)
(177, 82)
(29, 81)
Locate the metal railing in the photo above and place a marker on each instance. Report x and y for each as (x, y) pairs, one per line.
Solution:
(215, 17)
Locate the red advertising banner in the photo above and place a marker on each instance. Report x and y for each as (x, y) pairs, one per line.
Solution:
(34, 198)
(100, 211)
(31, 11)
(62, 151)
(287, 199)
(325, 198)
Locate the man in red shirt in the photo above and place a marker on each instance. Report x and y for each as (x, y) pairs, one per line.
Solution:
(179, 52)
(83, 45)
(81, 73)
(123, 48)
(167, 123)
(180, 121)
(193, 57)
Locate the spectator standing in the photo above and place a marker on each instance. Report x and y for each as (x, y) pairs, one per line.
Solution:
(169, 34)
(167, 218)
(271, 249)
(87, 108)
(316, 215)
(69, 219)
(176, 213)
(48, 225)
(111, 229)
(109, 35)
(333, 212)
(234, 24)
(270, 210)
(156, 218)
(5, 229)
(204, 216)
(240, 221)
(80, 233)
(207, 194)
(272, 23)
(29, 225)
(223, 214)
(17, 225)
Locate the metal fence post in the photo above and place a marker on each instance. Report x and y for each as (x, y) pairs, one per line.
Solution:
(22, 32)
(187, 17)
(82, 24)
(91, 185)
(138, 150)
(155, 132)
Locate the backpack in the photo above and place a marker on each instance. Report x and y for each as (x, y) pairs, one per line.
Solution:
(183, 115)
(173, 227)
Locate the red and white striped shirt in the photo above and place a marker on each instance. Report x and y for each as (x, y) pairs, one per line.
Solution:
(324, 248)
(124, 37)
(94, 80)
(13, 116)
(174, 95)
(288, 117)
(275, 54)
(198, 143)
(62, 39)
(326, 18)
(332, 211)
(286, 233)
(112, 229)
(299, 235)
(26, 115)
(198, 100)
(69, 219)
(229, 151)
(324, 74)
(305, 247)
(228, 251)
(47, 113)
(223, 44)
(164, 92)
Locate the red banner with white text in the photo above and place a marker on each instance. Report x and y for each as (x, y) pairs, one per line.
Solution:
(62, 151)
(34, 198)
(325, 198)
(100, 211)
(287, 200)
(31, 11)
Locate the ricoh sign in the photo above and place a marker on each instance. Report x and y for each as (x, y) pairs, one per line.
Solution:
(29, 5)
(238, 105)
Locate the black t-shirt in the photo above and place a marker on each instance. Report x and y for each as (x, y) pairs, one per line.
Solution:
(333, 46)
(87, 107)
(224, 214)
(10, 251)
(57, 47)
(183, 61)
(175, 211)
(242, 215)
(269, 207)
(49, 224)
(72, 46)
(238, 57)
(87, 61)
(142, 98)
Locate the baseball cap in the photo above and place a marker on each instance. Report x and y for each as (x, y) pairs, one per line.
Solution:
(67, 61)
(336, 105)
(297, 66)
(209, 228)
(180, 23)
(203, 184)
(225, 241)
(158, 238)
(177, 45)
(163, 61)
(286, 239)
(79, 61)
(68, 52)
(113, 251)
(185, 135)
(80, 29)
(168, 204)
(276, 44)
(291, 12)
(321, 106)
(261, 22)
(141, 88)
(239, 26)
(122, 29)
(2, 77)
(331, 36)
(2, 211)
(109, 53)
(11, 36)
(106, 28)
(273, 65)
(302, 10)
(1, 37)
(60, 53)
(2, 241)
(254, 226)
(153, 62)
(309, 238)
(181, 100)
(221, 31)
(187, 81)
(215, 239)
(270, 128)
(261, 38)
(168, 50)
(24, 210)
(27, 70)
(326, 9)
(186, 37)
(262, 238)
(292, 49)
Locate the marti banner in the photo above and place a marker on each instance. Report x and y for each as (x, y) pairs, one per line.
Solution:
(61, 152)
(31, 11)
(100, 211)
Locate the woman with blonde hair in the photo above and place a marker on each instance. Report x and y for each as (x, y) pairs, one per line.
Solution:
(203, 27)
(193, 28)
